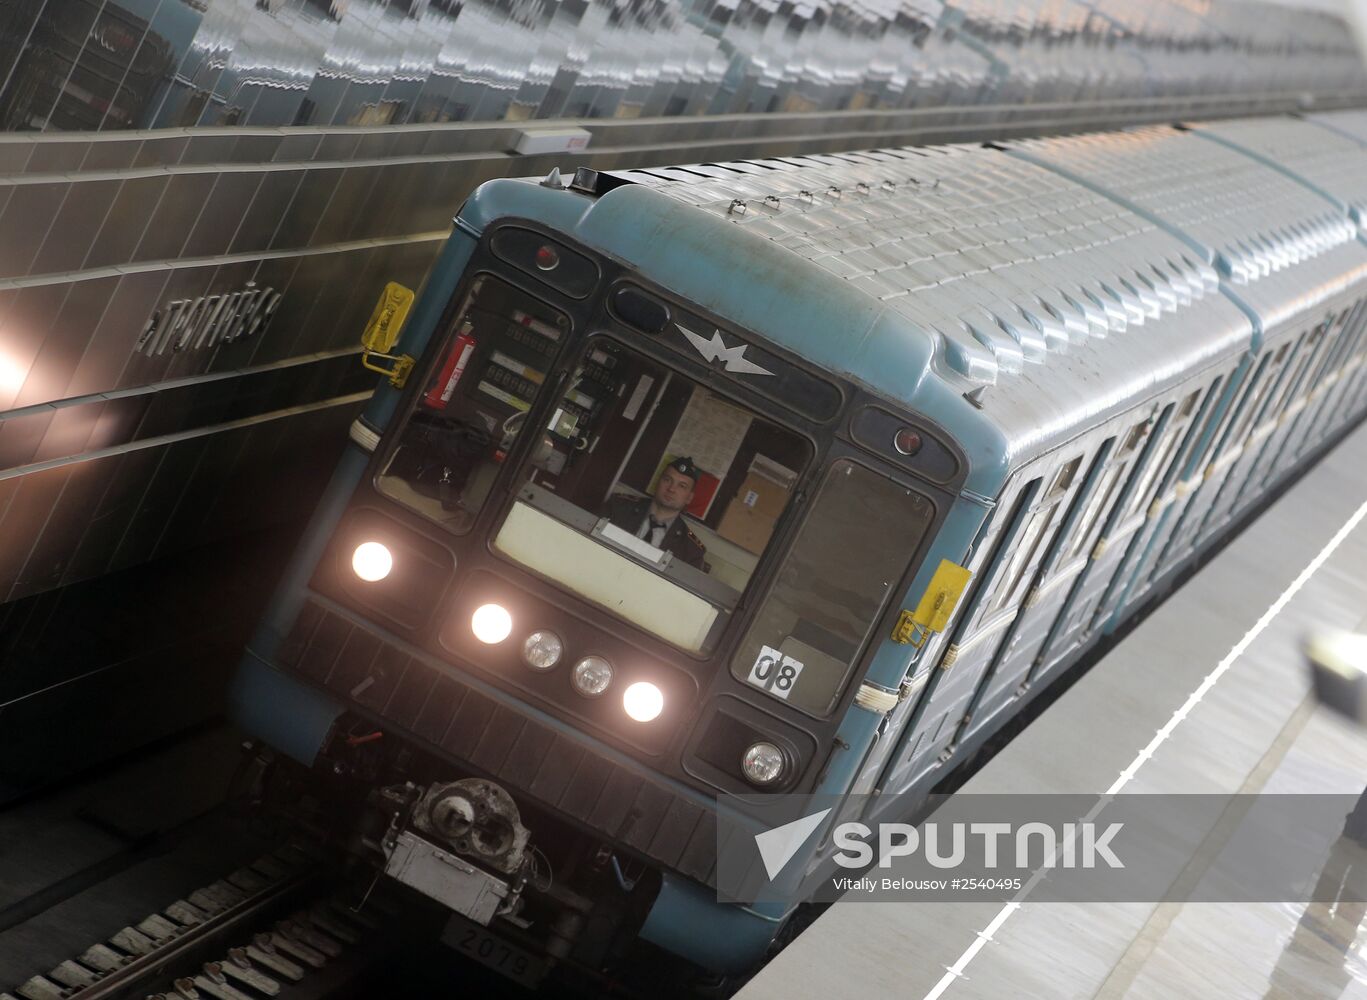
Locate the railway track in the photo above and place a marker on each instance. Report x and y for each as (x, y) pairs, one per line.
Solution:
(279, 927)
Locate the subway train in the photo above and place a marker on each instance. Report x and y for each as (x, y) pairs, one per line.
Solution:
(791, 475)
(196, 195)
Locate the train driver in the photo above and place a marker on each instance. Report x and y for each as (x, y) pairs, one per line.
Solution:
(656, 519)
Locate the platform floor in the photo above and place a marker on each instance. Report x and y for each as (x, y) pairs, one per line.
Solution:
(1209, 694)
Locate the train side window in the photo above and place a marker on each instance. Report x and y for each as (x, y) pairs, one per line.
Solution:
(1241, 413)
(1011, 584)
(1335, 347)
(1223, 418)
(1341, 344)
(1197, 442)
(1354, 336)
(1291, 385)
(1253, 403)
(1164, 455)
(1289, 371)
(1105, 492)
(1357, 330)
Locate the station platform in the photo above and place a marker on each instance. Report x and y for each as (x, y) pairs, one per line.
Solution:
(1209, 694)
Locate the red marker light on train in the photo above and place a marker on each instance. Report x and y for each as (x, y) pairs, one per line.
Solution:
(546, 258)
(907, 442)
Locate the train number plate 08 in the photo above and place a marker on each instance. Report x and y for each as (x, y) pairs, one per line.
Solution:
(492, 950)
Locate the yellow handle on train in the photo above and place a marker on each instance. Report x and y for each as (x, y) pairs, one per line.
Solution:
(937, 604)
(382, 333)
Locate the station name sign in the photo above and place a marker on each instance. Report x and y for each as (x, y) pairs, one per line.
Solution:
(209, 320)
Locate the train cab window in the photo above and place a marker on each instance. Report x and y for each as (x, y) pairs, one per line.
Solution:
(651, 496)
(487, 375)
(806, 636)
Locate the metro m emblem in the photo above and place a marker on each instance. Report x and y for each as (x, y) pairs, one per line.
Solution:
(733, 358)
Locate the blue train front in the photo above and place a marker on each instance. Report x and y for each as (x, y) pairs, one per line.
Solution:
(690, 469)
(476, 585)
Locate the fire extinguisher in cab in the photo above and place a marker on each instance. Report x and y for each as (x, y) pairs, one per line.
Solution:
(461, 351)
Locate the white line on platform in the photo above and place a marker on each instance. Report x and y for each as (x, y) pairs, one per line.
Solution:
(956, 970)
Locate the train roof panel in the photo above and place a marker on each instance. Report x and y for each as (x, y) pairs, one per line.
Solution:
(1352, 123)
(1252, 220)
(1326, 159)
(1007, 263)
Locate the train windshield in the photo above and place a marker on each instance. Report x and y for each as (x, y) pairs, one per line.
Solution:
(651, 496)
(845, 563)
(497, 357)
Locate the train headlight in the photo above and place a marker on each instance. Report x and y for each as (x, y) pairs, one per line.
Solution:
(372, 561)
(491, 623)
(762, 763)
(643, 701)
(591, 676)
(542, 649)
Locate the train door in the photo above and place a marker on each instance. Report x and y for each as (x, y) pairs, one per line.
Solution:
(1125, 526)
(1048, 573)
(1114, 514)
(1189, 433)
(935, 719)
(1015, 556)
(1202, 474)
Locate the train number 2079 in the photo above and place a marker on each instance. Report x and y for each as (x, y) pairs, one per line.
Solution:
(489, 949)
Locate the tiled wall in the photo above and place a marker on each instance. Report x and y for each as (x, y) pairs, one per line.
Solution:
(103, 227)
(96, 64)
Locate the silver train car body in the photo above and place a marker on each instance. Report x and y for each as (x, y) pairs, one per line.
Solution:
(1111, 347)
(1183, 305)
